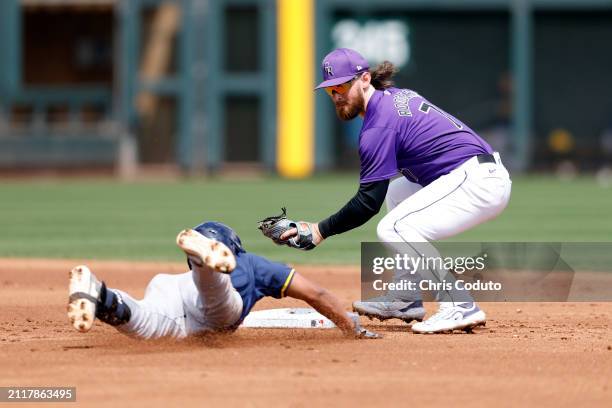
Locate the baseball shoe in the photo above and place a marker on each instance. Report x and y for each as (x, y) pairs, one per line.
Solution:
(203, 251)
(384, 308)
(463, 316)
(89, 298)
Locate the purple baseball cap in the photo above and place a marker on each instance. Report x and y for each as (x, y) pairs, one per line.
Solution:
(340, 66)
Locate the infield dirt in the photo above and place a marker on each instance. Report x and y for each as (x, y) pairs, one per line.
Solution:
(544, 354)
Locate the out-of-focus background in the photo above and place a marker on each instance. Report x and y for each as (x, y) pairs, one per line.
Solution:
(122, 122)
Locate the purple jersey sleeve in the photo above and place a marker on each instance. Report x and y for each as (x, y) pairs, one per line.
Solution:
(377, 152)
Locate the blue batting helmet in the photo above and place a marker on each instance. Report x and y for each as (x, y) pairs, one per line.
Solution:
(221, 233)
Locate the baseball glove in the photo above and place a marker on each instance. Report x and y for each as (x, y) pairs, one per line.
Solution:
(274, 227)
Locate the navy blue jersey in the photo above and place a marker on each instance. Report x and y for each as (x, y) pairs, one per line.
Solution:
(256, 277)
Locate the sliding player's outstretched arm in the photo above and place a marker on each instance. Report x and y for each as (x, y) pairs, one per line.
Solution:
(328, 305)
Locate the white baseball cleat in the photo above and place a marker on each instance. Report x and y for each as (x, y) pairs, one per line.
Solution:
(463, 316)
(84, 292)
(205, 251)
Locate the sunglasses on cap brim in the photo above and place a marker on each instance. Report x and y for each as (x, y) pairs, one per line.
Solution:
(342, 88)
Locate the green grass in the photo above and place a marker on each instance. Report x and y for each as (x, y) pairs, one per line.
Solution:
(112, 220)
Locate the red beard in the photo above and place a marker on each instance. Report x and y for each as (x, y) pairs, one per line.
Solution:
(350, 110)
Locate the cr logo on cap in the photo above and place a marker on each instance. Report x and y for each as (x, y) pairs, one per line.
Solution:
(328, 68)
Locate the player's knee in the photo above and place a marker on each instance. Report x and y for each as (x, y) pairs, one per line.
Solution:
(390, 229)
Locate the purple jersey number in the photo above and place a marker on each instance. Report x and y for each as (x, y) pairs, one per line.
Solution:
(426, 107)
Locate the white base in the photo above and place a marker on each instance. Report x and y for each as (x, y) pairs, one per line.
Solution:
(288, 318)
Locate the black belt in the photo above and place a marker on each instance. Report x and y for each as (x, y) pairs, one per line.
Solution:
(486, 158)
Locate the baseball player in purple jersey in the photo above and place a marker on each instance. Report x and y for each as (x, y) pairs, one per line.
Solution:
(452, 181)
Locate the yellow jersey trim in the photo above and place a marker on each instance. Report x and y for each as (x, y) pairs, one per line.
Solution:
(287, 282)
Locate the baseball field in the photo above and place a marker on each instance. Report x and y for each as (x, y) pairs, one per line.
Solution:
(557, 354)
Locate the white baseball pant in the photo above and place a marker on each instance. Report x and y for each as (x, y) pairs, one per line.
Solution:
(180, 305)
(467, 196)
